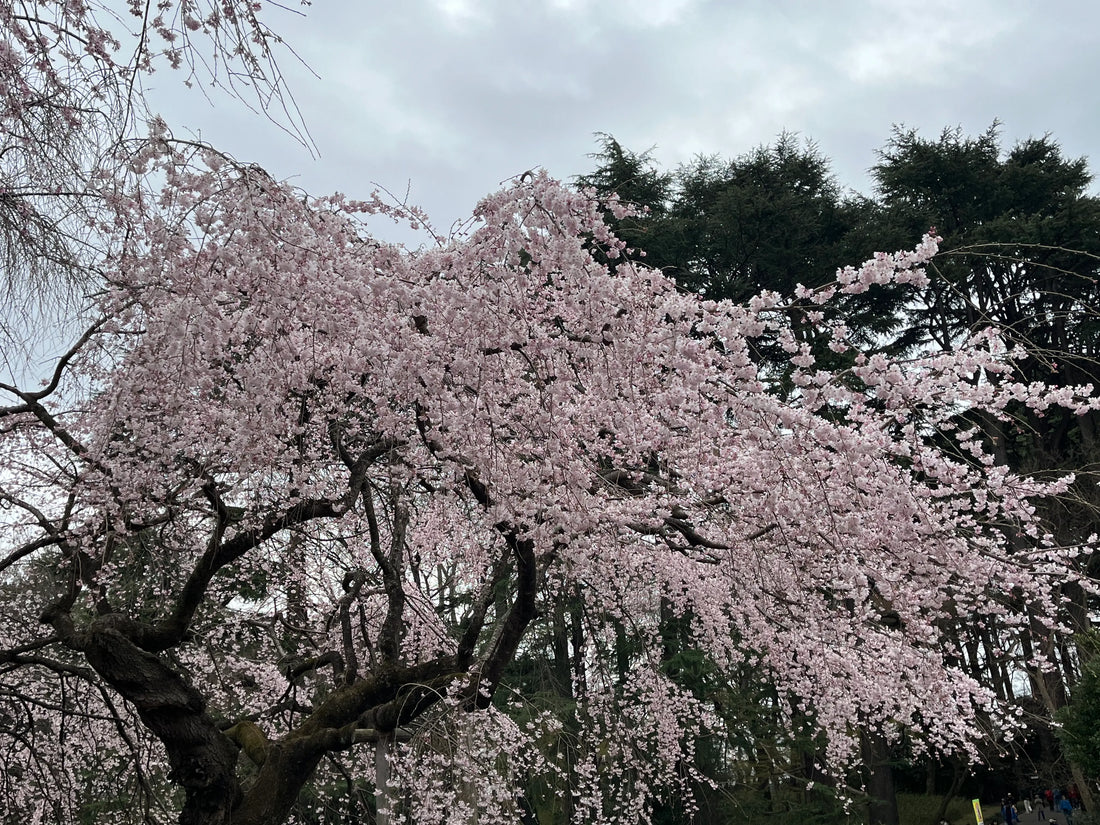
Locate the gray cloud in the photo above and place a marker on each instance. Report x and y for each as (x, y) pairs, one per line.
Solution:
(453, 96)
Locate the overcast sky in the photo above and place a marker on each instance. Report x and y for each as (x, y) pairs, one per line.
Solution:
(449, 98)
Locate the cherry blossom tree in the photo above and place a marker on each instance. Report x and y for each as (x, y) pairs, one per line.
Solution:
(296, 493)
(292, 499)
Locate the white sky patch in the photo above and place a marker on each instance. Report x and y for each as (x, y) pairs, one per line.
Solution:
(460, 13)
(926, 43)
(629, 13)
(374, 99)
(656, 13)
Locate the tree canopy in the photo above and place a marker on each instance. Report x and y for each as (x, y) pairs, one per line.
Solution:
(352, 476)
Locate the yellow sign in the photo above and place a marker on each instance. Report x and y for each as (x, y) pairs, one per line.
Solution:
(978, 811)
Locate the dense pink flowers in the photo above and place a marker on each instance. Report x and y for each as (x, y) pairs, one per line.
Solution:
(262, 352)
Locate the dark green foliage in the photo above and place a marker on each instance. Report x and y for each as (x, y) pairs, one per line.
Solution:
(1021, 240)
(1021, 251)
(634, 177)
(768, 219)
(1079, 721)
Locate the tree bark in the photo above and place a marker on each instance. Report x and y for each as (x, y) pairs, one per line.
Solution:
(882, 795)
(202, 758)
(958, 774)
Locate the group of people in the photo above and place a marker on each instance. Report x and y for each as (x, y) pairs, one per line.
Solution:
(1054, 799)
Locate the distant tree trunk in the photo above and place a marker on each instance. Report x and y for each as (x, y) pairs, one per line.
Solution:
(576, 632)
(882, 795)
(998, 673)
(1084, 787)
(958, 774)
(1050, 688)
(382, 799)
(622, 656)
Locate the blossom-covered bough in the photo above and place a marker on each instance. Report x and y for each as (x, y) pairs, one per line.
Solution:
(317, 488)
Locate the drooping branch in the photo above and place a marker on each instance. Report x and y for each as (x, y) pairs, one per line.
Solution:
(27, 549)
(10, 657)
(34, 407)
(31, 398)
(509, 630)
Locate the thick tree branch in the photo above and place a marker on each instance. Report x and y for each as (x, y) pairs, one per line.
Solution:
(172, 631)
(380, 704)
(202, 758)
(485, 676)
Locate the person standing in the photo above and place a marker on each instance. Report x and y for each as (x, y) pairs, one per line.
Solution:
(1067, 810)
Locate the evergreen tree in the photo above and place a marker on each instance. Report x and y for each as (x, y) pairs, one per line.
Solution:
(1021, 253)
